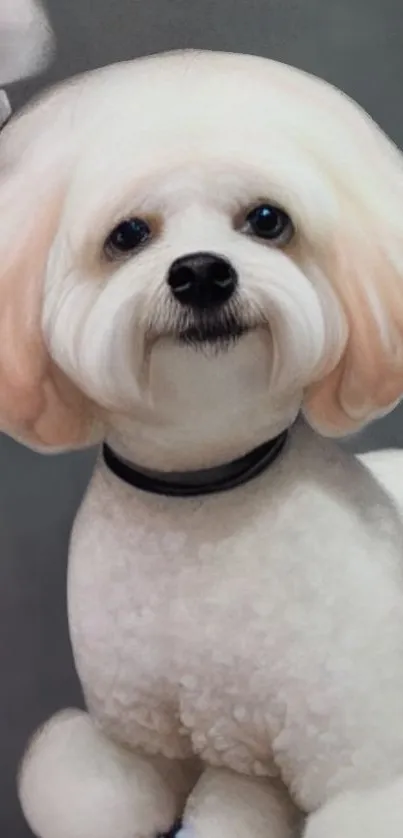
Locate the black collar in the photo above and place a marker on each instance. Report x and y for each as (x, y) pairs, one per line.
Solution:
(182, 484)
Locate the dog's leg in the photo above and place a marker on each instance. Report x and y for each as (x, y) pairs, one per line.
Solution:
(228, 805)
(76, 783)
(375, 813)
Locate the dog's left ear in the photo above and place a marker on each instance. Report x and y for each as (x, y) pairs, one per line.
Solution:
(38, 404)
(364, 263)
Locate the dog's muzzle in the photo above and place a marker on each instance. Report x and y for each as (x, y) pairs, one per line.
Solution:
(205, 285)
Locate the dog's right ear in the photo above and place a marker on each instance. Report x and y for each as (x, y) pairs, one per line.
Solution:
(38, 404)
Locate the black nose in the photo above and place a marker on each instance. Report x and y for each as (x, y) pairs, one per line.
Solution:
(202, 280)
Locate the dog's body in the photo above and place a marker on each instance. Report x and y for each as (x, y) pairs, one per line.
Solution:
(209, 247)
(225, 627)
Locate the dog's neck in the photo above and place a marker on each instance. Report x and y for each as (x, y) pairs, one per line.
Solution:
(204, 481)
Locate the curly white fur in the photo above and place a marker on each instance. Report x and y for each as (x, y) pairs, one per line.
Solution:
(244, 647)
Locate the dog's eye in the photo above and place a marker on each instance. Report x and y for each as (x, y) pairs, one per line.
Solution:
(271, 223)
(126, 237)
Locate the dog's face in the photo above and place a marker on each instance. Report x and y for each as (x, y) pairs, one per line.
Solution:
(202, 245)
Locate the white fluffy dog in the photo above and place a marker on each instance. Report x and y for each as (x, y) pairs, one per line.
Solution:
(197, 250)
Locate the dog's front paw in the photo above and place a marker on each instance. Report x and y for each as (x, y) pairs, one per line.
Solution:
(225, 804)
(75, 783)
(363, 814)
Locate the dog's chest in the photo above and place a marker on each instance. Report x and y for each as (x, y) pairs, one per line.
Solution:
(212, 626)
(166, 610)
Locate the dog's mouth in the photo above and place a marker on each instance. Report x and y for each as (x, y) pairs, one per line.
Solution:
(219, 329)
(218, 335)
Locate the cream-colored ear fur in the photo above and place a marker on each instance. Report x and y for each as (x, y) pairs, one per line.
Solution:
(364, 262)
(368, 380)
(37, 403)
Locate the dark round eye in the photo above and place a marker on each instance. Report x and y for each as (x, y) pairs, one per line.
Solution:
(270, 223)
(127, 236)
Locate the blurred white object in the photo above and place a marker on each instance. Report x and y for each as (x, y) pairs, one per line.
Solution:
(5, 108)
(26, 40)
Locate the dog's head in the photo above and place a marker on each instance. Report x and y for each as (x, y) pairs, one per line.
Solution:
(192, 248)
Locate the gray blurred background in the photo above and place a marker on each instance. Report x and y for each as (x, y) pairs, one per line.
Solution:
(355, 45)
